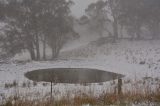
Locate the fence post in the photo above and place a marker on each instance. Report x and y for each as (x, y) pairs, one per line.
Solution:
(51, 90)
(119, 86)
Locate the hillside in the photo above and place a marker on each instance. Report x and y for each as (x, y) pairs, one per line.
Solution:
(137, 60)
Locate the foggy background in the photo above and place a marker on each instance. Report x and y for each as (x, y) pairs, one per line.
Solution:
(80, 5)
(117, 36)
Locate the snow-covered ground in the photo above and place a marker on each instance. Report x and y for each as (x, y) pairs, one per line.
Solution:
(137, 60)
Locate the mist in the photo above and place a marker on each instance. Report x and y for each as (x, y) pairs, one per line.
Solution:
(78, 9)
(79, 52)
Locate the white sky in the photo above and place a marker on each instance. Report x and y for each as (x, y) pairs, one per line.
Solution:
(78, 9)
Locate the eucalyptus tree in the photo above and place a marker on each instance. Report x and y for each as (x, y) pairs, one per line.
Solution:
(136, 14)
(103, 12)
(133, 14)
(57, 23)
(11, 36)
(97, 15)
(113, 10)
(152, 20)
(34, 19)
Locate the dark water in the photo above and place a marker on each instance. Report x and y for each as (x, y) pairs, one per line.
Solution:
(72, 75)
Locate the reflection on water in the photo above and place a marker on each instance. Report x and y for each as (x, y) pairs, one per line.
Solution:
(72, 75)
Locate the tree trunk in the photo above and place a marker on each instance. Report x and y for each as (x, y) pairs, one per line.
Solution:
(115, 29)
(32, 54)
(121, 31)
(155, 30)
(44, 48)
(55, 52)
(138, 34)
(138, 31)
(31, 51)
(37, 48)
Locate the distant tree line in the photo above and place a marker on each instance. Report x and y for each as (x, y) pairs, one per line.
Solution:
(29, 23)
(131, 15)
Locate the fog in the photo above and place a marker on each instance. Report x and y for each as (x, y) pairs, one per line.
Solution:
(78, 9)
(86, 53)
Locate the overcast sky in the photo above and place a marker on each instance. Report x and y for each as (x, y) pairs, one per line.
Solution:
(78, 9)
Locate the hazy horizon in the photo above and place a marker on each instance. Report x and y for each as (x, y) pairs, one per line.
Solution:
(78, 9)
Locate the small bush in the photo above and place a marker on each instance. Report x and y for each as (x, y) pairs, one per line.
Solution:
(15, 84)
(24, 84)
(34, 83)
(142, 62)
(10, 85)
(44, 84)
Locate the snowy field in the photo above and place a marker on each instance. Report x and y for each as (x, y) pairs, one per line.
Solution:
(137, 60)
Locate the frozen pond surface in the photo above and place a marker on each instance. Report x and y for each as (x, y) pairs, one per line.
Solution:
(72, 75)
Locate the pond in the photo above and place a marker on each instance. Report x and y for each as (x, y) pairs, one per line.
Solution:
(72, 75)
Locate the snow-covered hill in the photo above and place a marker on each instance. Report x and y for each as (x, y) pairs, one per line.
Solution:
(134, 59)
